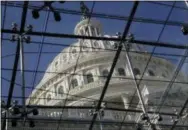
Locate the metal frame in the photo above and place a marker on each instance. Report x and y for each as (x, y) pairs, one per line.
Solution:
(149, 43)
(106, 16)
(90, 107)
(150, 57)
(39, 55)
(77, 60)
(73, 121)
(123, 39)
(126, 30)
(180, 114)
(11, 88)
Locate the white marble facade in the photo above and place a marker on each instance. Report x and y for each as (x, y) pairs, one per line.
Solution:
(94, 64)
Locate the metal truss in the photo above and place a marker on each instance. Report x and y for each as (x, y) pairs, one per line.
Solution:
(11, 88)
(105, 16)
(121, 40)
(149, 43)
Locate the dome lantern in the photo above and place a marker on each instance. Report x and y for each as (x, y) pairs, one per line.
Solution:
(87, 26)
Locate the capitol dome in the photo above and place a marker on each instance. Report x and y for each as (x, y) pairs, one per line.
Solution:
(83, 85)
(95, 59)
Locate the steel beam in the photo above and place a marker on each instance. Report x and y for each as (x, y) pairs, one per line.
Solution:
(180, 114)
(133, 11)
(142, 42)
(106, 16)
(11, 88)
(89, 107)
(85, 121)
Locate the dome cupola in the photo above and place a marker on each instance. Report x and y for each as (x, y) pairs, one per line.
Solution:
(87, 26)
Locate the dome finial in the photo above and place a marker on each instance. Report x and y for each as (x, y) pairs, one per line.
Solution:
(84, 10)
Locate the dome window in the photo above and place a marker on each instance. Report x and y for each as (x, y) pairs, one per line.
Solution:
(121, 72)
(136, 72)
(60, 90)
(74, 83)
(115, 45)
(89, 78)
(151, 73)
(105, 73)
(49, 98)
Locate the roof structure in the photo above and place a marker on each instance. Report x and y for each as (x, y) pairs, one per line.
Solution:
(157, 26)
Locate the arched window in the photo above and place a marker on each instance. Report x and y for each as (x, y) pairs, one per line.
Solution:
(105, 73)
(89, 78)
(151, 73)
(74, 83)
(49, 98)
(60, 90)
(115, 45)
(121, 71)
(136, 71)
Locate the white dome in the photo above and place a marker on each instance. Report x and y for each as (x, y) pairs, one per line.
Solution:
(86, 23)
(94, 58)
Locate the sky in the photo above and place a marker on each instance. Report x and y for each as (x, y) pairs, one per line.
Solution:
(142, 31)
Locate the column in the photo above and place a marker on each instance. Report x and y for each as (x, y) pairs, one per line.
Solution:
(81, 79)
(97, 72)
(125, 101)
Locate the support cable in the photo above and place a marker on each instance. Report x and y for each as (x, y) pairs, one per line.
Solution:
(11, 88)
(114, 77)
(105, 16)
(147, 64)
(133, 11)
(86, 32)
(170, 85)
(149, 43)
(180, 114)
(41, 47)
(76, 96)
(167, 5)
(131, 51)
(4, 17)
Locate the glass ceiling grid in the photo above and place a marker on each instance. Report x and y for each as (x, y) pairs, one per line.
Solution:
(159, 47)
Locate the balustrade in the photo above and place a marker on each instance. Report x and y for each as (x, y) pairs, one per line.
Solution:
(81, 114)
